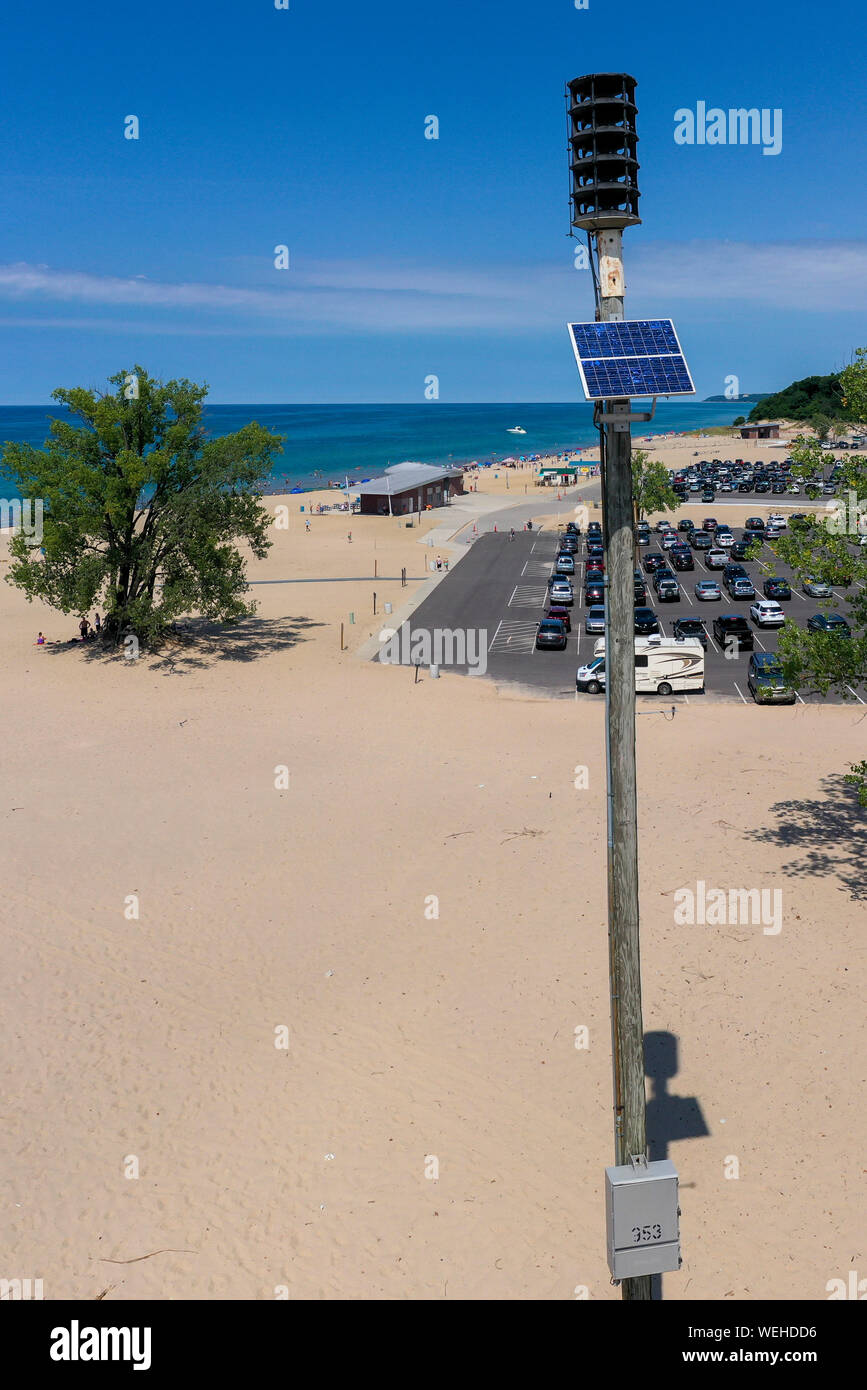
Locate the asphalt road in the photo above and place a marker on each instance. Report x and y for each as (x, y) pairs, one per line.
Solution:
(500, 587)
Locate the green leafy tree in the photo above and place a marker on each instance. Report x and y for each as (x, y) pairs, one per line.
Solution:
(741, 420)
(858, 778)
(651, 490)
(827, 546)
(822, 426)
(805, 399)
(142, 512)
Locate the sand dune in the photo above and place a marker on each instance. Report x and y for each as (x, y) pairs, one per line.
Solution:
(411, 1036)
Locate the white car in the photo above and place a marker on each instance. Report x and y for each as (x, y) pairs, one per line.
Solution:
(794, 489)
(766, 613)
(669, 539)
(724, 539)
(778, 519)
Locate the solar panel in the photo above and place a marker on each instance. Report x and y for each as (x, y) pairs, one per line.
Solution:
(634, 357)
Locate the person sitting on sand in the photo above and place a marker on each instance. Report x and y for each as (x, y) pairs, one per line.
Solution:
(40, 641)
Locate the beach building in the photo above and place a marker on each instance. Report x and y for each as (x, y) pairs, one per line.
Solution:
(759, 431)
(409, 487)
(560, 476)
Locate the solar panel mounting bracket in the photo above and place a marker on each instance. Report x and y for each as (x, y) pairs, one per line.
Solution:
(619, 423)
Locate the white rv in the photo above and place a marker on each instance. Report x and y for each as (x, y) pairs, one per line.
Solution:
(662, 665)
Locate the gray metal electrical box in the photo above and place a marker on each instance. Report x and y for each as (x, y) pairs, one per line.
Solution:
(641, 1217)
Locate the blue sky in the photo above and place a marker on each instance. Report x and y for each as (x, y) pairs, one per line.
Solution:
(411, 257)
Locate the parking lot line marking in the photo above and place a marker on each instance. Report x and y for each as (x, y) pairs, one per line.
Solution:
(758, 639)
(800, 596)
(800, 697)
(855, 693)
(738, 689)
(514, 591)
(687, 597)
(494, 638)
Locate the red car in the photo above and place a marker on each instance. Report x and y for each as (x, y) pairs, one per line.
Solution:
(709, 523)
(594, 567)
(556, 610)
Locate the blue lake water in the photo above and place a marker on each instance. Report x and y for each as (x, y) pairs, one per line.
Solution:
(330, 442)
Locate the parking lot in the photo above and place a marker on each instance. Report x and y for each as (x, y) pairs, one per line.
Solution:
(501, 586)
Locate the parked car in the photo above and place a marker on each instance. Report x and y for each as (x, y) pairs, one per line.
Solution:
(831, 623)
(646, 621)
(710, 523)
(686, 525)
(667, 588)
(564, 564)
(690, 627)
(670, 540)
(730, 629)
(594, 592)
(708, 495)
(766, 680)
(557, 610)
(741, 587)
(700, 540)
(654, 560)
(740, 551)
(595, 619)
(765, 612)
(551, 634)
(682, 559)
(561, 592)
(664, 525)
(724, 539)
(755, 523)
(716, 559)
(817, 588)
(707, 589)
(777, 589)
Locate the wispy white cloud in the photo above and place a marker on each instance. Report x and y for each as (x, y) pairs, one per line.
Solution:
(368, 297)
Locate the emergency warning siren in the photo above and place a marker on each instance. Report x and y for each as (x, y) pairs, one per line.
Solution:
(603, 159)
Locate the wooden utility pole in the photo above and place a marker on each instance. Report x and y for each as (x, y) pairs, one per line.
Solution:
(627, 1028)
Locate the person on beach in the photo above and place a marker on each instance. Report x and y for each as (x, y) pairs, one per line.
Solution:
(40, 641)
(97, 624)
(349, 538)
(306, 525)
(511, 533)
(439, 562)
(83, 628)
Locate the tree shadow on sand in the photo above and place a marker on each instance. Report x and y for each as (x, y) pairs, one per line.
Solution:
(194, 644)
(829, 835)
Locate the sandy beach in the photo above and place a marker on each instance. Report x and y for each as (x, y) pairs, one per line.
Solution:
(254, 837)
